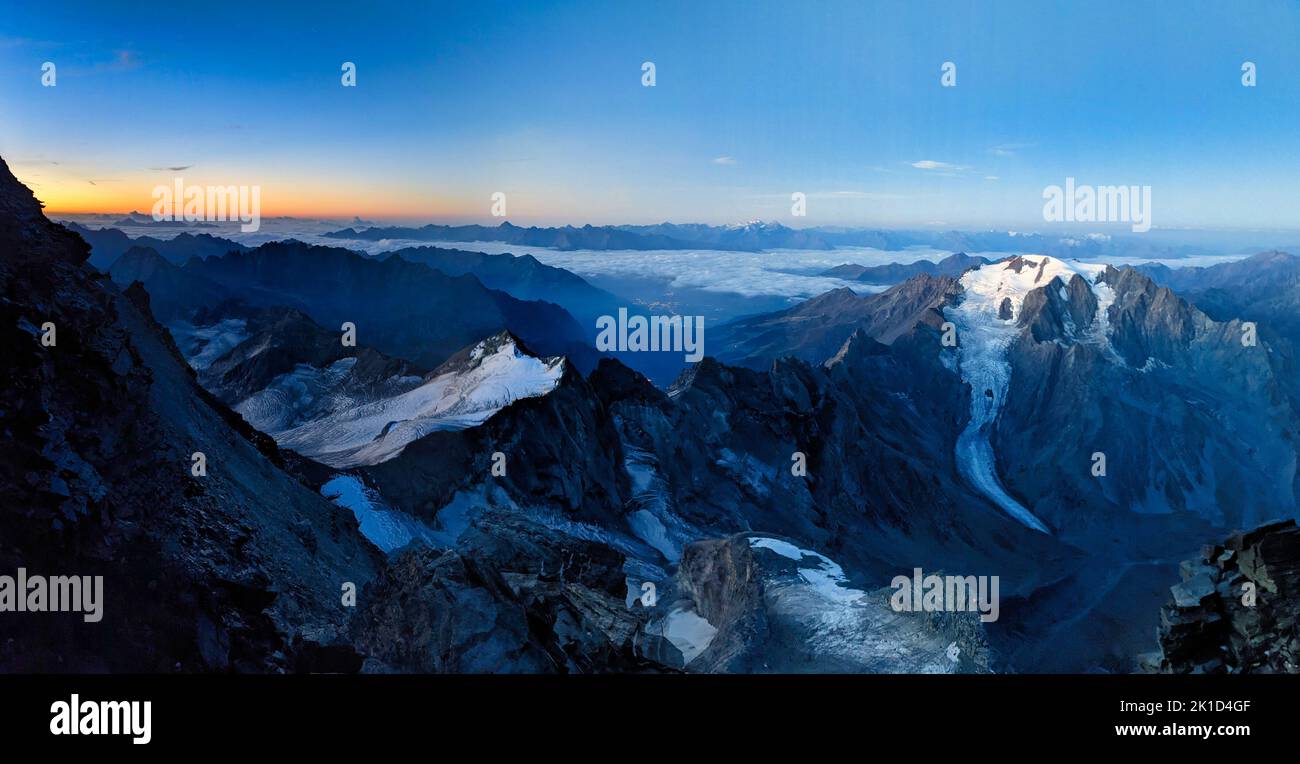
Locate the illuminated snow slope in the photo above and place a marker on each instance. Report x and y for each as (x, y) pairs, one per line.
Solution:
(496, 374)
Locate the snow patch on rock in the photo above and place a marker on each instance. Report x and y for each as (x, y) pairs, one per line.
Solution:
(201, 345)
(386, 528)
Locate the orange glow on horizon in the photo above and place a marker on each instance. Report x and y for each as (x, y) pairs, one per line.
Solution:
(81, 197)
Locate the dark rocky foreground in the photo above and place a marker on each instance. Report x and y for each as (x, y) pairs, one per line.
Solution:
(240, 569)
(1238, 607)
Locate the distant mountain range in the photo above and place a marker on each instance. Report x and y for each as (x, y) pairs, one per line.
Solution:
(757, 236)
(1264, 288)
(565, 238)
(400, 308)
(523, 277)
(108, 244)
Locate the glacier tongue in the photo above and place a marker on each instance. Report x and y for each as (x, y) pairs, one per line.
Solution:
(983, 339)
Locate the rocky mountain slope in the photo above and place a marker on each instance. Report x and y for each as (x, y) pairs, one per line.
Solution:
(615, 460)
(816, 329)
(407, 310)
(238, 569)
(523, 277)
(892, 273)
(1071, 374)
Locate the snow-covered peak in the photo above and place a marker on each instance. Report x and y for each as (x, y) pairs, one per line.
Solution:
(463, 392)
(756, 225)
(498, 344)
(988, 287)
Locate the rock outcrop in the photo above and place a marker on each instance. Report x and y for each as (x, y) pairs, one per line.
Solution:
(1237, 609)
(511, 597)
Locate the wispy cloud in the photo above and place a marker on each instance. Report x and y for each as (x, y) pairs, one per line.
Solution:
(930, 164)
(1008, 149)
(176, 168)
(724, 160)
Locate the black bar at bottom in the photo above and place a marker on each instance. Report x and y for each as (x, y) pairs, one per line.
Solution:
(210, 713)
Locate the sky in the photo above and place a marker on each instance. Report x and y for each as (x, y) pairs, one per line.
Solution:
(753, 101)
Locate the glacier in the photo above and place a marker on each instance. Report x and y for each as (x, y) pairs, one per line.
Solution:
(983, 340)
(353, 433)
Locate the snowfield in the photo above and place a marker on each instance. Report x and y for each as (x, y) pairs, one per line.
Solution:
(352, 434)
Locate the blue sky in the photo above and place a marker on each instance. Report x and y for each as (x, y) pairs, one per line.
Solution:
(753, 101)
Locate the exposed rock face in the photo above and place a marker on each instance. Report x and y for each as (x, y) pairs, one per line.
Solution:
(240, 569)
(1149, 383)
(1058, 312)
(815, 329)
(715, 458)
(561, 451)
(513, 597)
(1237, 609)
(278, 341)
(1261, 289)
(894, 273)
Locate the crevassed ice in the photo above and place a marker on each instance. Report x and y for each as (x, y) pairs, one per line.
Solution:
(983, 339)
(201, 345)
